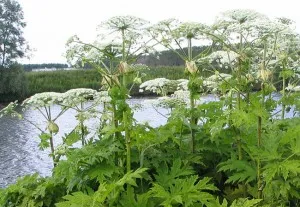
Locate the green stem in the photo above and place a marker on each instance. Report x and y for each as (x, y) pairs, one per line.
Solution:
(52, 148)
(82, 127)
(128, 144)
(259, 181)
(259, 142)
(82, 133)
(192, 101)
(259, 127)
(124, 58)
(239, 77)
(192, 121)
(190, 55)
(283, 96)
(238, 140)
(123, 44)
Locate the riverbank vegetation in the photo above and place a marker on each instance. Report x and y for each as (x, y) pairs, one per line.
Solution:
(13, 84)
(63, 80)
(242, 150)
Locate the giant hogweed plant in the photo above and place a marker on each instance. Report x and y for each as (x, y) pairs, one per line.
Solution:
(247, 153)
(259, 42)
(73, 99)
(128, 30)
(179, 37)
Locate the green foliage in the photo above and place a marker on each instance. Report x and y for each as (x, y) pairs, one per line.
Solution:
(241, 170)
(184, 191)
(241, 202)
(13, 83)
(62, 80)
(105, 191)
(32, 190)
(13, 44)
(233, 152)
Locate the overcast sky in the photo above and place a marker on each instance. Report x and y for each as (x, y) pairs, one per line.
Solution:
(51, 22)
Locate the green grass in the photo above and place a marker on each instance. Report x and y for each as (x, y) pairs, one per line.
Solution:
(63, 80)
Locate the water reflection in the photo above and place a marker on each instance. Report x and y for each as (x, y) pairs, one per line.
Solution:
(19, 151)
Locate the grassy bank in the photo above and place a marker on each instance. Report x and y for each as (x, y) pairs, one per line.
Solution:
(62, 80)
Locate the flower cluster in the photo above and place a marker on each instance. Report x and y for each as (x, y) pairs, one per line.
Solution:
(182, 84)
(43, 99)
(182, 95)
(161, 86)
(166, 102)
(102, 97)
(293, 88)
(10, 110)
(222, 57)
(190, 30)
(76, 96)
(118, 23)
(212, 83)
(241, 20)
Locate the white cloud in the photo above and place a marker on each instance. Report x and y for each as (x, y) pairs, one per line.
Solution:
(51, 22)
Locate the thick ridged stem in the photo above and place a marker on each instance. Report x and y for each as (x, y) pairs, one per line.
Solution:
(124, 75)
(128, 142)
(192, 100)
(192, 122)
(259, 181)
(239, 77)
(283, 95)
(82, 127)
(52, 148)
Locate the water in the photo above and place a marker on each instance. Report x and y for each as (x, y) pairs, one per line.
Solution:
(19, 151)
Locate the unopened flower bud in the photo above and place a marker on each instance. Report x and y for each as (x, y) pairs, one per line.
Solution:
(123, 67)
(52, 127)
(191, 67)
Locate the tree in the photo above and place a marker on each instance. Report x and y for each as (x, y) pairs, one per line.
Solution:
(12, 42)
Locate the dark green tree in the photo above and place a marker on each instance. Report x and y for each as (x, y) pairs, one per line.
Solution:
(12, 42)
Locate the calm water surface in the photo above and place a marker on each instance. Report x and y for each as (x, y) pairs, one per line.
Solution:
(19, 151)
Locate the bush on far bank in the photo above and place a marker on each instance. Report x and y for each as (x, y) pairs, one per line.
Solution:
(13, 83)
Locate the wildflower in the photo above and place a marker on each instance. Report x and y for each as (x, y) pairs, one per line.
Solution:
(76, 96)
(43, 99)
(159, 86)
(241, 21)
(118, 23)
(10, 110)
(102, 97)
(182, 84)
(224, 57)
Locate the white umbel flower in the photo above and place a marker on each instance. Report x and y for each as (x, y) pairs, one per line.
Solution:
(43, 99)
